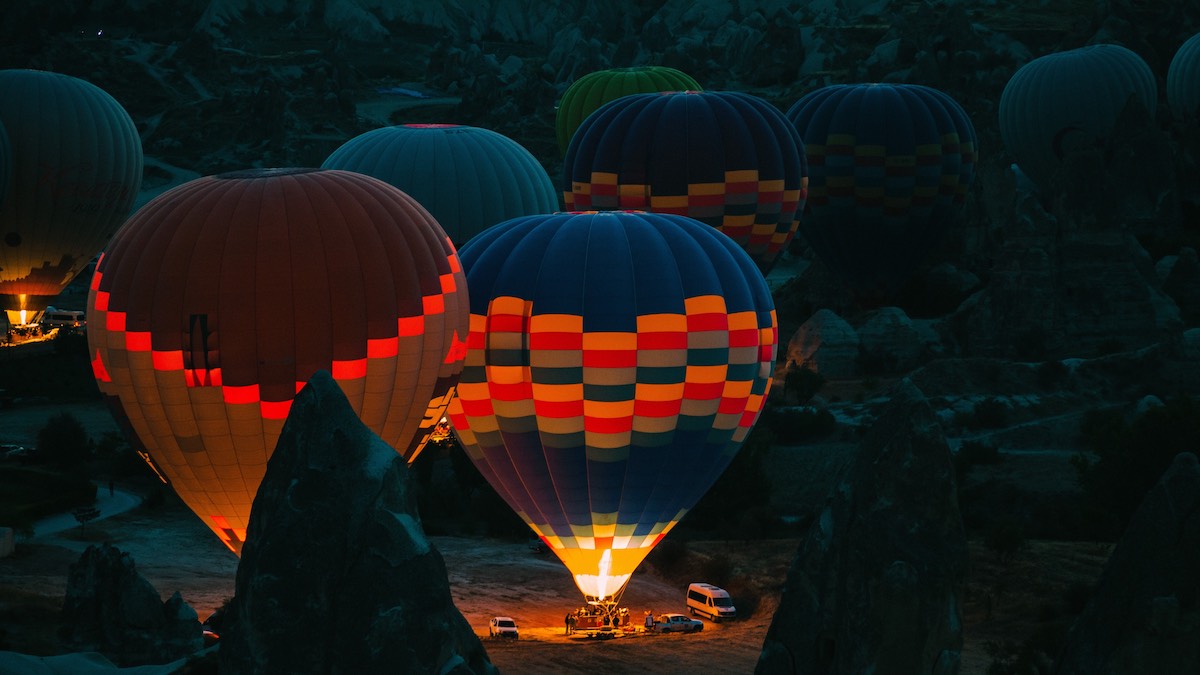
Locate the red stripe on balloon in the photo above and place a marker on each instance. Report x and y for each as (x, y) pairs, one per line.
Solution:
(558, 409)
(137, 341)
(610, 358)
(241, 394)
(275, 410)
(382, 348)
(349, 370)
(172, 360)
(556, 340)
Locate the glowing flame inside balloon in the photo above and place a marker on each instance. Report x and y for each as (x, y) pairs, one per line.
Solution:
(604, 583)
(24, 317)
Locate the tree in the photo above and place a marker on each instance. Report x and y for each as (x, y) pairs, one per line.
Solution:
(63, 441)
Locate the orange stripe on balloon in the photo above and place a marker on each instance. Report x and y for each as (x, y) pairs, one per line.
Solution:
(172, 360)
(275, 410)
(220, 522)
(349, 370)
(382, 348)
(137, 341)
(241, 394)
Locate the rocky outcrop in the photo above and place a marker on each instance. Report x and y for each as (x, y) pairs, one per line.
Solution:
(111, 609)
(893, 342)
(877, 583)
(825, 344)
(336, 573)
(1145, 614)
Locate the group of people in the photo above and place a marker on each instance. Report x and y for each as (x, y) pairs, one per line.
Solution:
(596, 616)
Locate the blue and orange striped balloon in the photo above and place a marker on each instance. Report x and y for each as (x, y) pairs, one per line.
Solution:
(616, 361)
(728, 159)
(890, 168)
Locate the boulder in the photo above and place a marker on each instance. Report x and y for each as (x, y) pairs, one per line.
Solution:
(893, 342)
(1145, 616)
(877, 583)
(336, 573)
(111, 609)
(825, 344)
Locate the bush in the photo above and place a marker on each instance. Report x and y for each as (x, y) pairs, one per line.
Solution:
(669, 556)
(803, 382)
(63, 442)
(797, 425)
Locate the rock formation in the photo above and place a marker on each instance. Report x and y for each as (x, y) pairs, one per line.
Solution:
(336, 573)
(111, 609)
(893, 341)
(877, 584)
(1145, 614)
(825, 344)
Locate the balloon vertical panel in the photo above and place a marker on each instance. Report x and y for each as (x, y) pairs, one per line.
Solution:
(219, 299)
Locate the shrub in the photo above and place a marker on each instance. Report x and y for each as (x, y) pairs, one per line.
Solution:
(797, 425)
(63, 441)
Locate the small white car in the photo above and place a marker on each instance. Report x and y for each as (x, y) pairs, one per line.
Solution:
(503, 627)
(677, 623)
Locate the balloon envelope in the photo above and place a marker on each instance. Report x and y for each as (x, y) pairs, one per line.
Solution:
(617, 361)
(593, 90)
(890, 165)
(1068, 99)
(728, 159)
(75, 173)
(1183, 80)
(467, 177)
(218, 300)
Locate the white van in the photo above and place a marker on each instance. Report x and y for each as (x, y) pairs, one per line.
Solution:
(711, 601)
(62, 318)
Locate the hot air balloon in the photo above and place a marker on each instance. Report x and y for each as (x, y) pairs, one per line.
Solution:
(728, 159)
(616, 363)
(76, 170)
(5, 164)
(890, 165)
(1183, 80)
(467, 177)
(595, 89)
(215, 303)
(1070, 99)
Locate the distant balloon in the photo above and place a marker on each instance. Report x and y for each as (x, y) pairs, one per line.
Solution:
(617, 361)
(728, 159)
(5, 164)
(467, 177)
(593, 90)
(218, 299)
(1183, 80)
(890, 166)
(1070, 99)
(76, 171)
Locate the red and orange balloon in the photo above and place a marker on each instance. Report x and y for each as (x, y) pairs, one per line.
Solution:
(215, 303)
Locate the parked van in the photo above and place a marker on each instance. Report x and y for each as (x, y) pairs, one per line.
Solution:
(711, 601)
(62, 318)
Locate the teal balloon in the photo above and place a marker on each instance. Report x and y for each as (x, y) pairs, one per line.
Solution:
(1067, 100)
(468, 178)
(76, 169)
(1183, 81)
